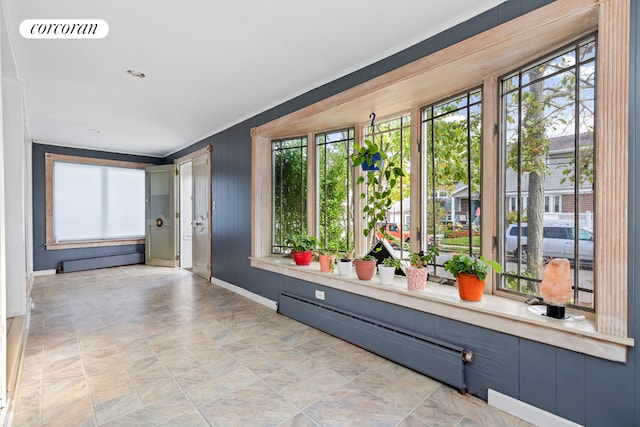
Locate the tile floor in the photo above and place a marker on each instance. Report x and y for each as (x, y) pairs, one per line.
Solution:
(147, 346)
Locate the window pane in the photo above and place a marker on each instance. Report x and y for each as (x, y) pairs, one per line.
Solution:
(125, 202)
(548, 140)
(393, 136)
(94, 202)
(335, 194)
(289, 158)
(452, 137)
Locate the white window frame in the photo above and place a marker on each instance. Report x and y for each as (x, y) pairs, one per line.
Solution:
(472, 62)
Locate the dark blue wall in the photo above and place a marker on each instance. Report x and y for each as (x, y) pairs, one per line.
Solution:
(581, 388)
(584, 389)
(52, 259)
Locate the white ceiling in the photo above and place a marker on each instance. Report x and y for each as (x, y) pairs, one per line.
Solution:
(209, 64)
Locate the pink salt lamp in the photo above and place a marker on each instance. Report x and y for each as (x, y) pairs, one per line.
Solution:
(556, 286)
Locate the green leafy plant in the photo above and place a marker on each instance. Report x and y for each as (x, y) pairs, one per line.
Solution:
(302, 242)
(347, 256)
(478, 266)
(329, 250)
(392, 262)
(367, 257)
(420, 259)
(380, 184)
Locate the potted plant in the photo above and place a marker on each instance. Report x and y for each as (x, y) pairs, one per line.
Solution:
(417, 272)
(381, 179)
(470, 273)
(387, 270)
(327, 260)
(302, 247)
(365, 267)
(345, 263)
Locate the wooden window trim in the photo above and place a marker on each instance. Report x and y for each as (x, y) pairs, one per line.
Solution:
(50, 159)
(478, 61)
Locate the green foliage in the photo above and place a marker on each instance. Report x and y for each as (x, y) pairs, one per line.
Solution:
(454, 146)
(392, 262)
(420, 259)
(302, 242)
(335, 186)
(511, 217)
(471, 265)
(289, 189)
(330, 250)
(585, 165)
(347, 256)
(367, 257)
(380, 183)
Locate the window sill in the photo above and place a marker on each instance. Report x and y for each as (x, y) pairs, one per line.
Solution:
(493, 312)
(93, 244)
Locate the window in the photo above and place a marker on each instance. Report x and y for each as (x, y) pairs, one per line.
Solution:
(548, 121)
(93, 202)
(451, 131)
(289, 161)
(602, 289)
(335, 193)
(394, 137)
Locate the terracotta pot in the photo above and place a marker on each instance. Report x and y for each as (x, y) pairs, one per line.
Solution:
(416, 278)
(326, 263)
(302, 258)
(470, 288)
(365, 269)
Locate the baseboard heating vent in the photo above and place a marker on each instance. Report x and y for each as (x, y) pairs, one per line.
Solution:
(69, 266)
(429, 356)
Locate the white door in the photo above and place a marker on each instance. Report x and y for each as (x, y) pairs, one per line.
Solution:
(186, 215)
(160, 216)
(201, 172)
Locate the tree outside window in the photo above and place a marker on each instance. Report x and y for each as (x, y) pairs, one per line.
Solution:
(548, 111)
(289, 166)
(335, 192)
(451, 135)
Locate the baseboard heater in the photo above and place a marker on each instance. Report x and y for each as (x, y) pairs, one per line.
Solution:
(432, 357)
(69, 266)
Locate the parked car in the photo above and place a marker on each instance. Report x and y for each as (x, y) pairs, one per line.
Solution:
(558, 241)
(394, 230)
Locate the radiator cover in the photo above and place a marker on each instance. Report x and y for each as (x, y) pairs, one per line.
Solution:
(429, 356)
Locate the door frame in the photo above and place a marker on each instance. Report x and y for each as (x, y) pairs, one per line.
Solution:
(189, 158)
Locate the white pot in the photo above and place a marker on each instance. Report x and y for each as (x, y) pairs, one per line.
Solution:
(344, 268)
(386, 274)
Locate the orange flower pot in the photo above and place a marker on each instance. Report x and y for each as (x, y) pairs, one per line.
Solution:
(470, 288)
(326, 263)
(365, 269)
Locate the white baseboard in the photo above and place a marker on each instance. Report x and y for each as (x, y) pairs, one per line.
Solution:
(245, 293)
(527, 412)
(43, 273)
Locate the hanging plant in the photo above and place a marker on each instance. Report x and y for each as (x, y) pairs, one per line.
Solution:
(380, 182)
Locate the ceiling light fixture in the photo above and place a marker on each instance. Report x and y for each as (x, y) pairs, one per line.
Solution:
(135, 73)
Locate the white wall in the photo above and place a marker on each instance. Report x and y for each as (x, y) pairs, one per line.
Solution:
(14, 197)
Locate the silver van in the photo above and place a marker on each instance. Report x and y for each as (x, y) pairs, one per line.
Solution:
(558, 241)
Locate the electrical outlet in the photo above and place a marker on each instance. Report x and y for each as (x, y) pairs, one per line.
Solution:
(320, 295)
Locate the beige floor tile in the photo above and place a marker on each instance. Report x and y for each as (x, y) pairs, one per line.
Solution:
(305, 383)
(154, 346)
(352, 405)
(255, 405)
